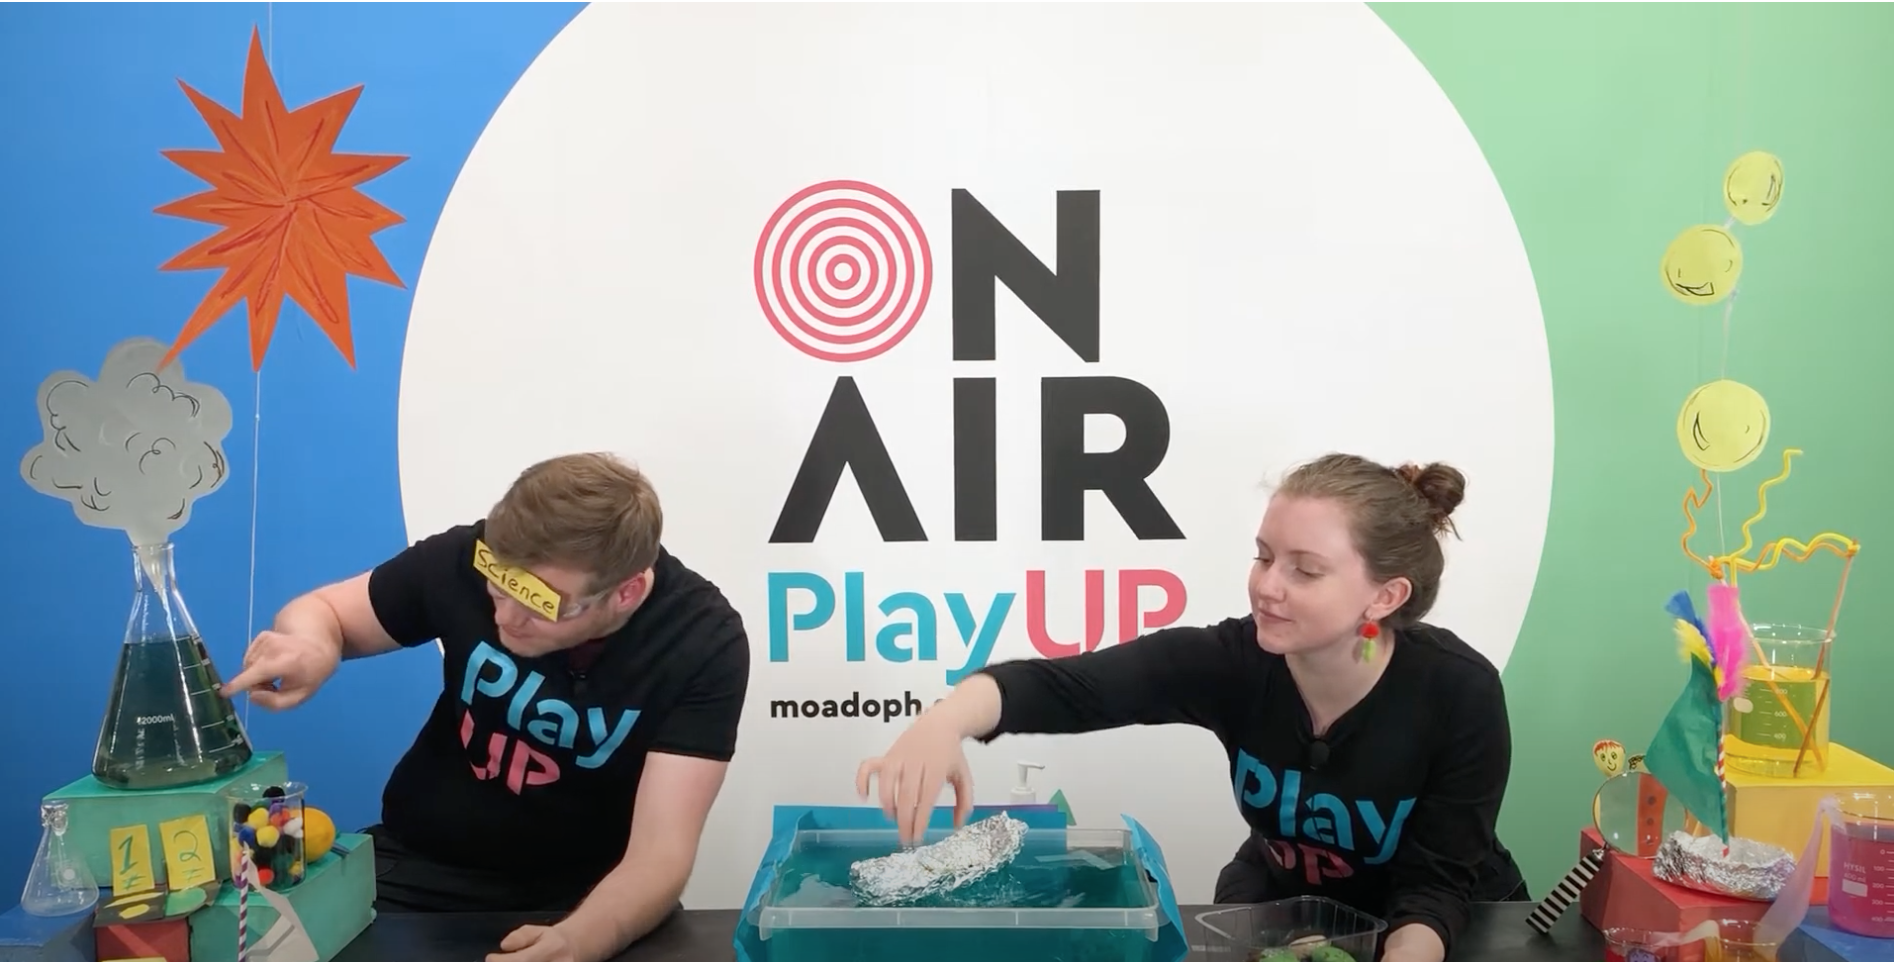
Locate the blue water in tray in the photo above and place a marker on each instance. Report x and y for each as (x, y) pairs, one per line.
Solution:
(1051, 904)
(1047, 875)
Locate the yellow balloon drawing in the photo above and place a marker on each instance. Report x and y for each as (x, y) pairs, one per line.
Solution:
(1701, 266)
(1723, 425)
(1752, 187)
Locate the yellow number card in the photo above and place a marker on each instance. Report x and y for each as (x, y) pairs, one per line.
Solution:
(131, 860)
(187, 852)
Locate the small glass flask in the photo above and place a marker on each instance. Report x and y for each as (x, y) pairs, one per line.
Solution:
(60, 883)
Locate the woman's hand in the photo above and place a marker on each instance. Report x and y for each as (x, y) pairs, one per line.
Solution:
(926, 758)
(1414, 942)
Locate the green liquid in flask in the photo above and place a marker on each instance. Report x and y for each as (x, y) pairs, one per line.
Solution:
(167, 722)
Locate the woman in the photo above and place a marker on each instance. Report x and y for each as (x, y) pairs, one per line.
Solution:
(1369, 751)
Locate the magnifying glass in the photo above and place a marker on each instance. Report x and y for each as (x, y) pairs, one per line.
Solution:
(1634, 813)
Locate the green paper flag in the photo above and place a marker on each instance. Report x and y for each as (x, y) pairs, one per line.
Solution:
(1059, 802)
(1683, 753)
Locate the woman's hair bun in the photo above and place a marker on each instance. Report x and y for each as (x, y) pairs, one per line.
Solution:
(1442, 486)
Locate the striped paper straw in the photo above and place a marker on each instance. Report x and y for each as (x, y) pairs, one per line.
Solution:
(243, 906)
(1563, 894)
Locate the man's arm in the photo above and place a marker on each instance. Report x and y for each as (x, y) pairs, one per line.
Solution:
(674, 798)
(384, 609)
(369, 614)
(340, 615)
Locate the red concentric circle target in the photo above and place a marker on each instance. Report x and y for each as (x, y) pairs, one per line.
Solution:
(843, 270)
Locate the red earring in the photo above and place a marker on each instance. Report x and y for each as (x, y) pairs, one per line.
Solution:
(1369, 632)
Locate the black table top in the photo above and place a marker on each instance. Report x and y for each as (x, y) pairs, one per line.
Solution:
(1499, 932)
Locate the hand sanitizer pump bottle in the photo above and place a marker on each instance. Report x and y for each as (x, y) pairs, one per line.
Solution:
(1023, 793)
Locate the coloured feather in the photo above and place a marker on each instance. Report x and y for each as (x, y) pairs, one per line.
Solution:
(1691, 643)
(1727, 635)
(1680, 608)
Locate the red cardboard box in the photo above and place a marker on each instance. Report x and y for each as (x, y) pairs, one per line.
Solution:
(169, 939)
(1624, 894)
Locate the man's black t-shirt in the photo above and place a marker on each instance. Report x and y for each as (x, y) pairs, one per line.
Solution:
(1391, 812)
(529, 766)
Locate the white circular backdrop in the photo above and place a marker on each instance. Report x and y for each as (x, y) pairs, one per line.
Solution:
(1303, 250)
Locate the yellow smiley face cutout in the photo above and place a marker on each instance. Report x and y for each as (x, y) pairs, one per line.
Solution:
(1752, 187)
(1723, 425)
(1608, 755)
(1702, 265)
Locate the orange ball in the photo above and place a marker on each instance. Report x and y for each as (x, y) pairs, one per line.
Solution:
(318, 834)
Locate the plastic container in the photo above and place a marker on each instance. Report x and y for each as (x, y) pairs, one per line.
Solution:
(1861, 864)
(805, 918)
(1023, 793)
(266, 823)
(1640, 945)
(1736, 941)
(1308, 927)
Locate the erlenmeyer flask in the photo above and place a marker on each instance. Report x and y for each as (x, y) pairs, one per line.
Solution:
(168, 722)
(60, 883)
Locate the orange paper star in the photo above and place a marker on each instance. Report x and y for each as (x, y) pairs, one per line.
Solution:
(293, 222)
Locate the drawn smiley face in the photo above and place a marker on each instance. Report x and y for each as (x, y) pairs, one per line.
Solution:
(1608, 755)
(1723, 425)
(1702, 265)
(1752, 187)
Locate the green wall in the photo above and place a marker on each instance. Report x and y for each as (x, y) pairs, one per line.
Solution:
(1609, 127)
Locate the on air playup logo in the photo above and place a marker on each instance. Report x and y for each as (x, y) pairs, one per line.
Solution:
(843, 271)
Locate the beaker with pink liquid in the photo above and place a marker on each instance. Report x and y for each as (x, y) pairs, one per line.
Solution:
(1861, 864)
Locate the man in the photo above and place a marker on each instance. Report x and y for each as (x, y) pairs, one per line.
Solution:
(592, 688)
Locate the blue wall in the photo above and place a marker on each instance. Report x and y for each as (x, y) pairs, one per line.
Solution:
(92, 97)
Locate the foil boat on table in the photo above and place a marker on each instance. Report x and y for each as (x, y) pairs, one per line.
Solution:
(968, 855)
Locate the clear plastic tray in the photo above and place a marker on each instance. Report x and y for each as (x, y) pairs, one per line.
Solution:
(805, 933)
(1299, 926)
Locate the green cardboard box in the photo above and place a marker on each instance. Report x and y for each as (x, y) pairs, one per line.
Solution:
(93, 810)
(335, 902)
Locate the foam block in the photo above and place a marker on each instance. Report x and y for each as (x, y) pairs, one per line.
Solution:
(93, 810)
(1781, 811)
(335, 902)
(168, 939)
(1626, 894)
(1818, 941)
(30, 938)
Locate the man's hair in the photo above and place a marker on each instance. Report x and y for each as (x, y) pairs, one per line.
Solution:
(590, 512)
